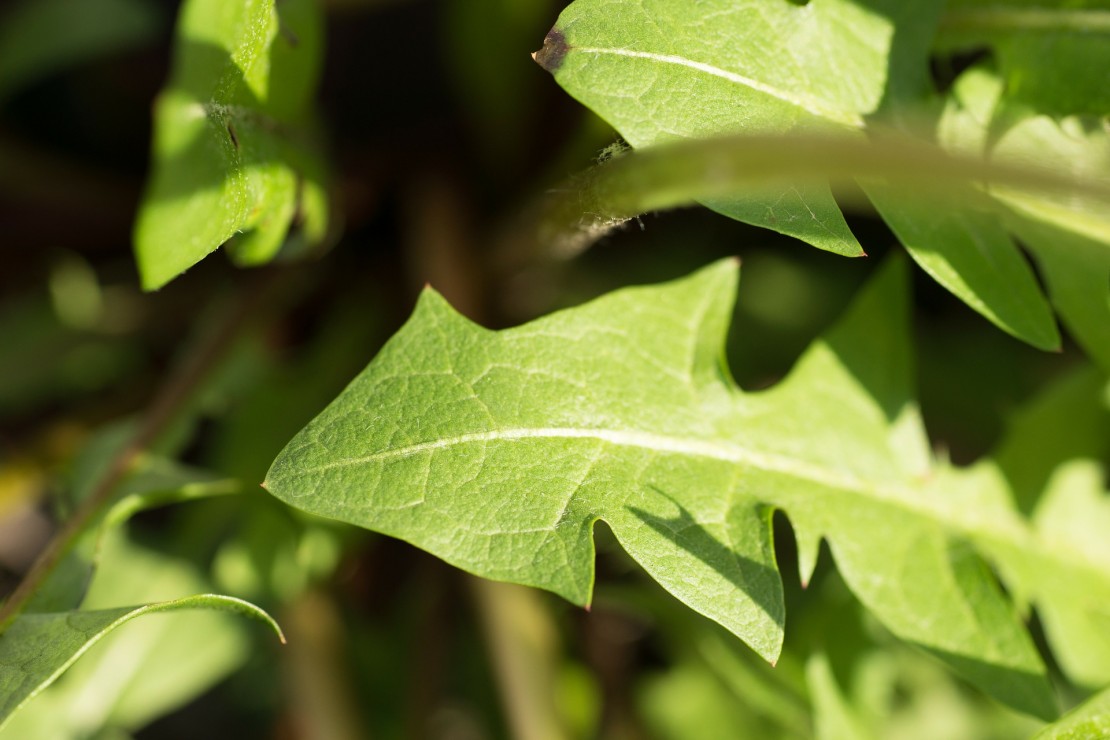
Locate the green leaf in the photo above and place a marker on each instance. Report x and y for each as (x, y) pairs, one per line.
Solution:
(1068, 236)
(673, 70)
(1075, 146)
(640, 68)
(1024, 34)
(553, 523)
(154, 481)
(233, 142)
(134, 675)
(835, 718)
(497, 451)
(36, 648)
(970, 253)
(1090, 720)
(1059, 480)
(1077, 272)
(959, 240)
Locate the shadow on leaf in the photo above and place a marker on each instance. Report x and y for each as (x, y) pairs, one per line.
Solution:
(758, 581)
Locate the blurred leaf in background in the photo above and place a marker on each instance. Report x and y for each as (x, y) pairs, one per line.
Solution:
(234, 140)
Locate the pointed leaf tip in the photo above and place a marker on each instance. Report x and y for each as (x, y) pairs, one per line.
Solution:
(554, 50)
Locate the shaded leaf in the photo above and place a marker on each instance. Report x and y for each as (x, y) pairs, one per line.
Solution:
(834, 717)
(971, 254)
(154, 481)
(134, 675)
(1077, 271)
(36, 648)
(1073, 34)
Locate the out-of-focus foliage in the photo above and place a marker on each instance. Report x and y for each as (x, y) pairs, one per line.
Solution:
(233, 139)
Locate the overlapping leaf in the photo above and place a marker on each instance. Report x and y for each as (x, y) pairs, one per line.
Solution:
(134, 675)
(664, 70)
(1025, 34)
(498, 451)
(37, 648)
(233, 142)
(659, 72)
(53, 619)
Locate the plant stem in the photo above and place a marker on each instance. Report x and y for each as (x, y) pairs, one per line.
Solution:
(523, 646)
(160, 414)
(592, 203)
(320, 697)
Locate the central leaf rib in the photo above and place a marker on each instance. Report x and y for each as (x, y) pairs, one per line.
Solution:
(623, 438)
(805, 102)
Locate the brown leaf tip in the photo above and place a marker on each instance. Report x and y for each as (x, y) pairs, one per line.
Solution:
(550, 57)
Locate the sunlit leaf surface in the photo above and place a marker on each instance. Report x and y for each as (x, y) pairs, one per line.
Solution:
(498, 451)
(668, 70)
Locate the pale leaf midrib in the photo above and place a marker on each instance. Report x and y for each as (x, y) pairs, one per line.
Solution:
(805, 102)
(630, 438)
(769, 462)
(898, 496)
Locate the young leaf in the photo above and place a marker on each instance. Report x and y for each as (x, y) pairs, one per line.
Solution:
(497, 451)
(36, 648)
(155, 482)
(233, 149)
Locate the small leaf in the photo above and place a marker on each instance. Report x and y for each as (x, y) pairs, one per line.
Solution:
(233, 149)
(155, 481)
(154, 665)
(36, 648)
